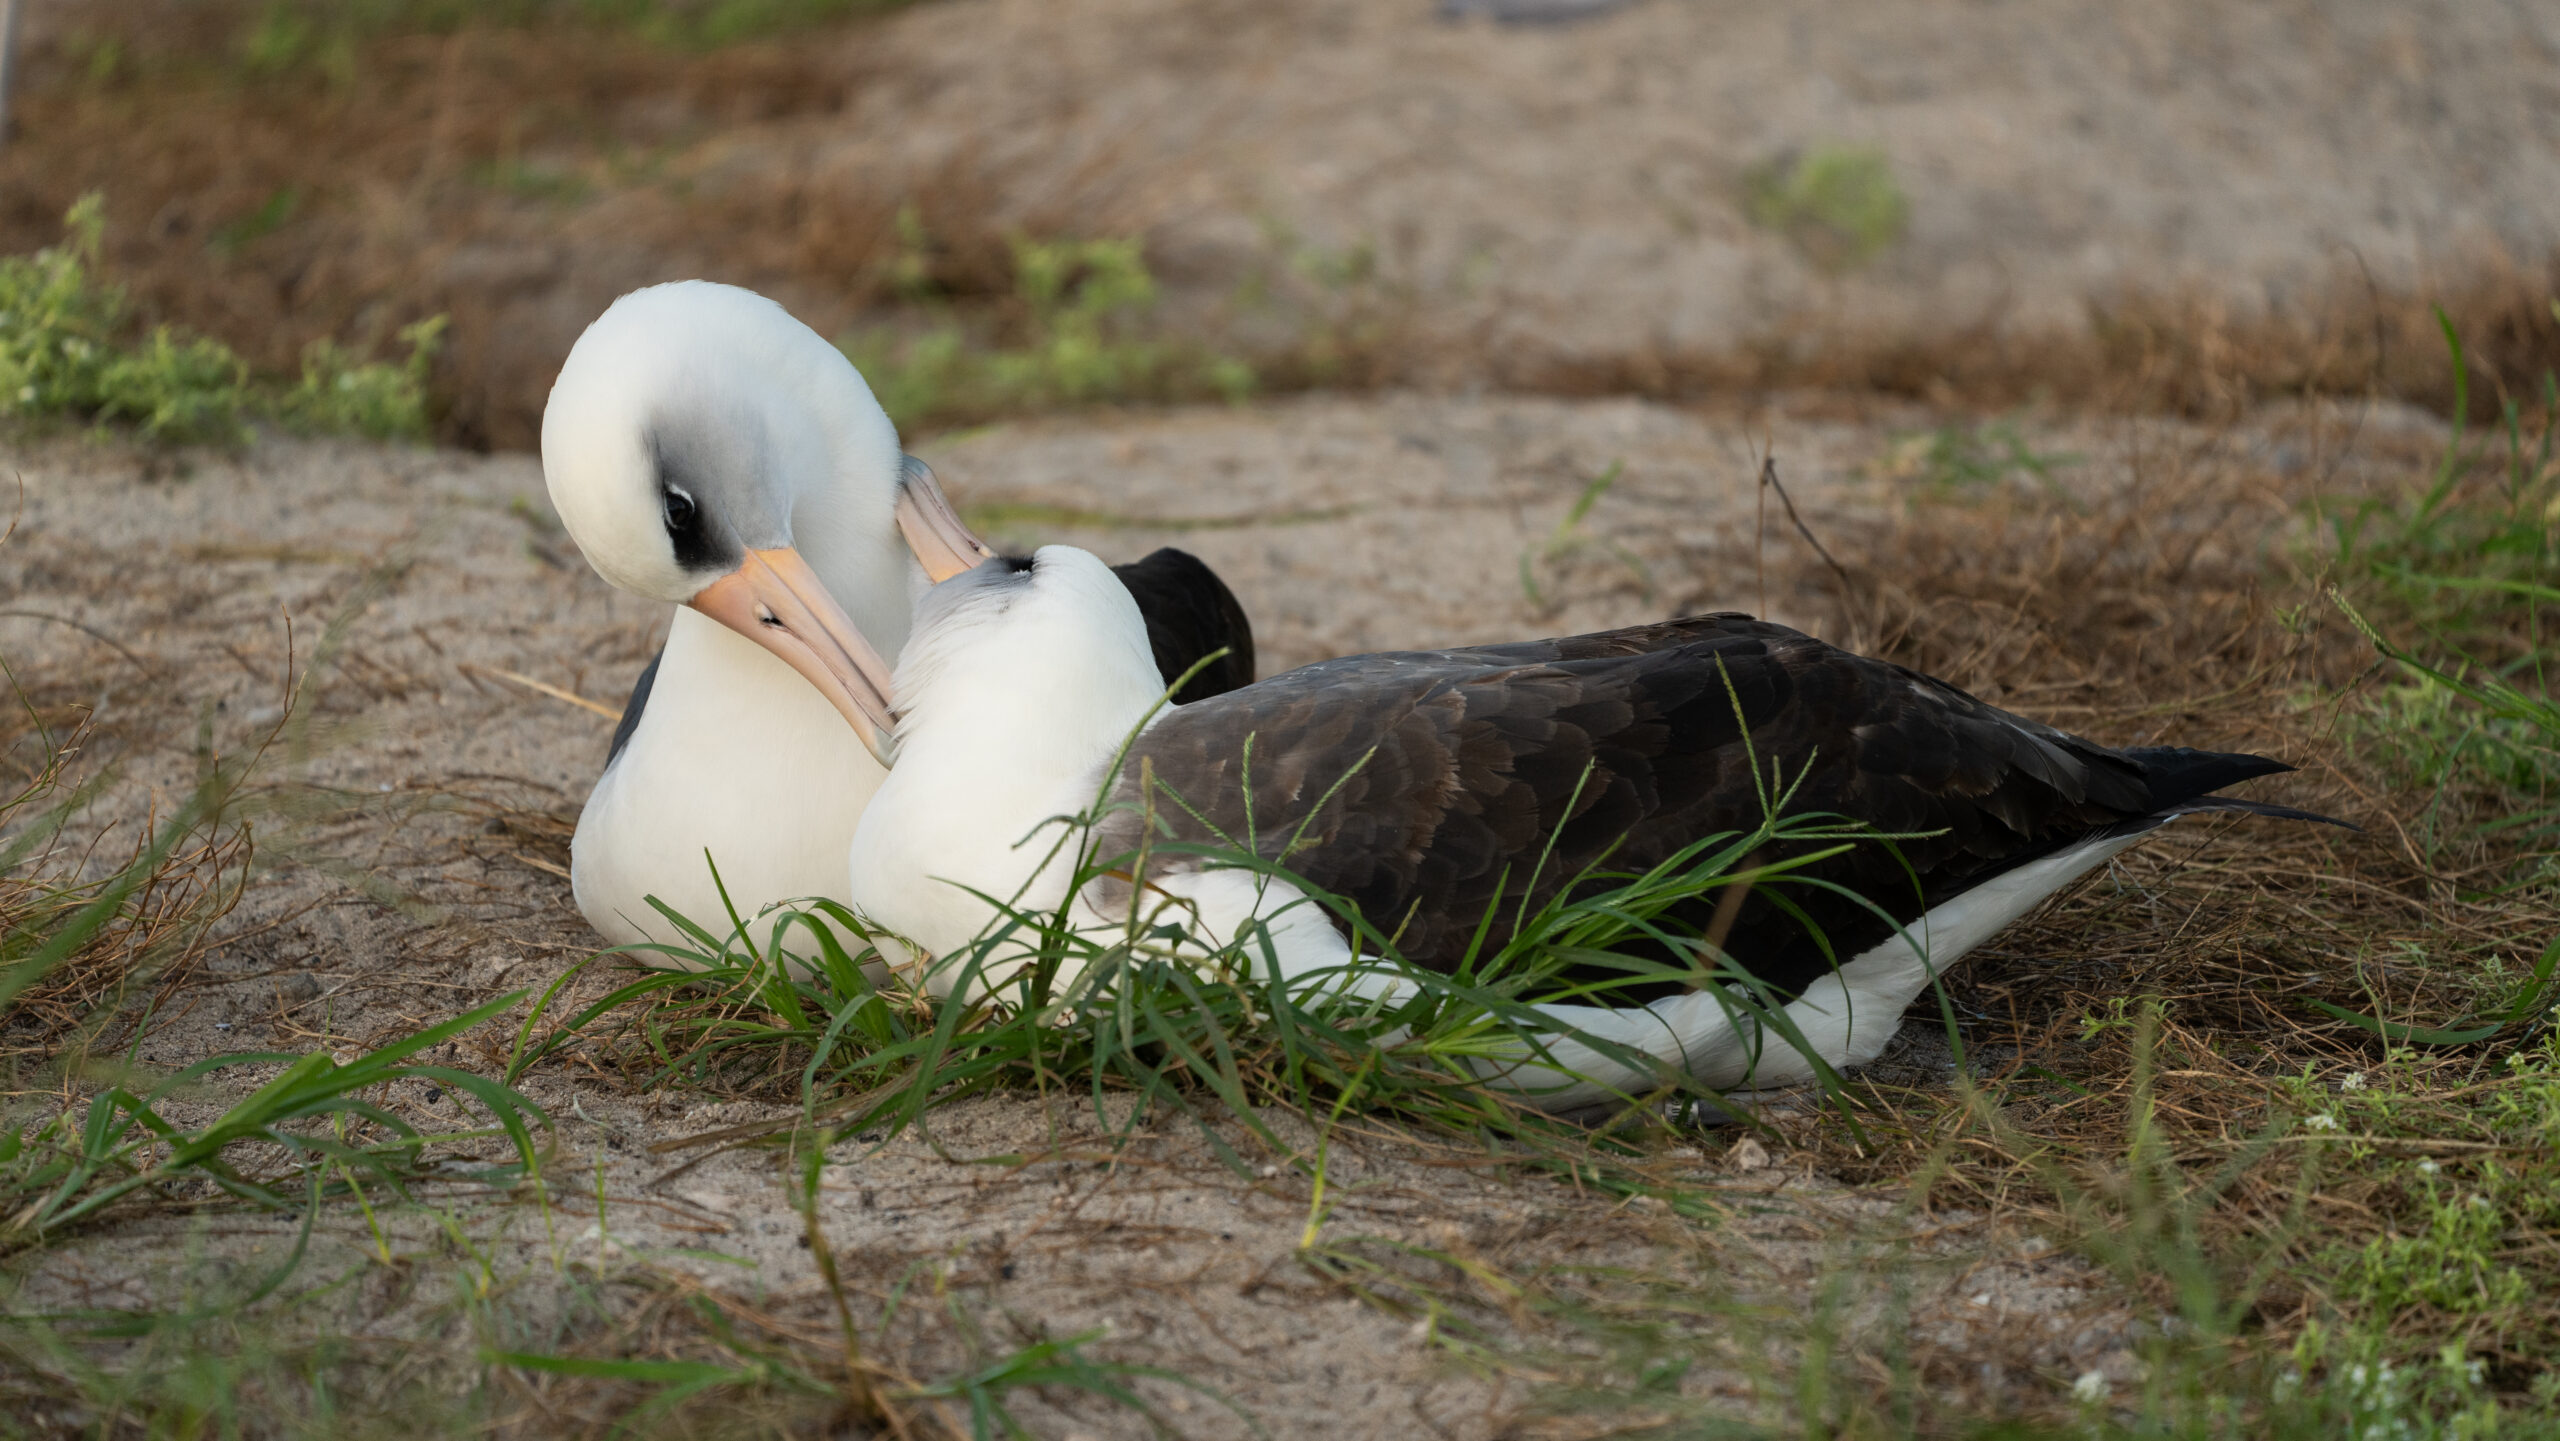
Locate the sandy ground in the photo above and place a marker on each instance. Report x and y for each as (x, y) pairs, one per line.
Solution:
(1581, 189)
(1508, 200)
(416, 868)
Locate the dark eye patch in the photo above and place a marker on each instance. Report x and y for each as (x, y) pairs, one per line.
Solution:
(685, 528)
(700, 541)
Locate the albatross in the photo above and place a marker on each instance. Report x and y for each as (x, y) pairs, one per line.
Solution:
(705, 449)
(1426, 786)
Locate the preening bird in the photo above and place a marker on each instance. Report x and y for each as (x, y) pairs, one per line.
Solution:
(1476, 774)
(706, 449)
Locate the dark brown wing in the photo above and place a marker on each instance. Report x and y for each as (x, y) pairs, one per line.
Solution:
(1475, 757)
(1190, 613)
(631, 709)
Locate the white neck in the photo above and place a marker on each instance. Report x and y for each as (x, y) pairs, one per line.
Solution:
(1010, 712)
(843, 515)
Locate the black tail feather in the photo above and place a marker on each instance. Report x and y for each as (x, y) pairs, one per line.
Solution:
(2182, 782)
(2177, 775)
(1189, 613)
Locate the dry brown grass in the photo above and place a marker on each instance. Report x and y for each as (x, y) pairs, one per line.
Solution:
(148, 948)
(435, 180)
(2154, 354)
(2190, 608)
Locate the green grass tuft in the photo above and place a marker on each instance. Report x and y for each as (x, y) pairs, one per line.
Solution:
(67, 1170)
(67, 352)
(1078, 337)
(1839, 203)
(1957, 459)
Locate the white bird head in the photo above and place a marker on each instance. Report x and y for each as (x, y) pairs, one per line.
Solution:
(1041, 660)
(705, 448)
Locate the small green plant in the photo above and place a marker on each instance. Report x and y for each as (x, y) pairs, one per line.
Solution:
(70, 1168)
(339, 394)
(1079, 338)
(1839, 203)
(2450, 1258)
(2462, 721)
(1957, 459)
(65, 354)
(1569, 539)
(61, 350)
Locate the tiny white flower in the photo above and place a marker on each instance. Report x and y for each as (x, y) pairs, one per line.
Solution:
(2428, 1168)
(2353, 1082)
(26, 395)
(2321, 1122)
(2482, 1202)
(2091, 1387)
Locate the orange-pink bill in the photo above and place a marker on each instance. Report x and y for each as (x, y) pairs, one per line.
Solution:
(775, 600)
(942, 542)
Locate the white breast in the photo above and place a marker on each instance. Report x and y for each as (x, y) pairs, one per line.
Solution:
(735, 754)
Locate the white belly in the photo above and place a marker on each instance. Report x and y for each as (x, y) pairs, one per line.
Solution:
(917, 867)
(736, 755)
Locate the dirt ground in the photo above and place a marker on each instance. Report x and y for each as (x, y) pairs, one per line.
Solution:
(2180, 202)
(417, 871)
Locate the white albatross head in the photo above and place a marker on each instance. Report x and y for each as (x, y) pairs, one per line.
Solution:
(1035, 659)
(706, 449)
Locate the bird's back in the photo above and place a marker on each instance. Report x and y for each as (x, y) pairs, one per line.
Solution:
(1428, 786)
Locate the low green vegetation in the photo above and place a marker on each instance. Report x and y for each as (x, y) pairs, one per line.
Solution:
(70, 351)
(1076, 334)
(2453, 584)
(322, 35)
(2417, 1237)
(1840, 204)
(68, 1169)
(394, 1176)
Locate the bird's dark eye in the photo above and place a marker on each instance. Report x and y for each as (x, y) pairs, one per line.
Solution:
(679, 512)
